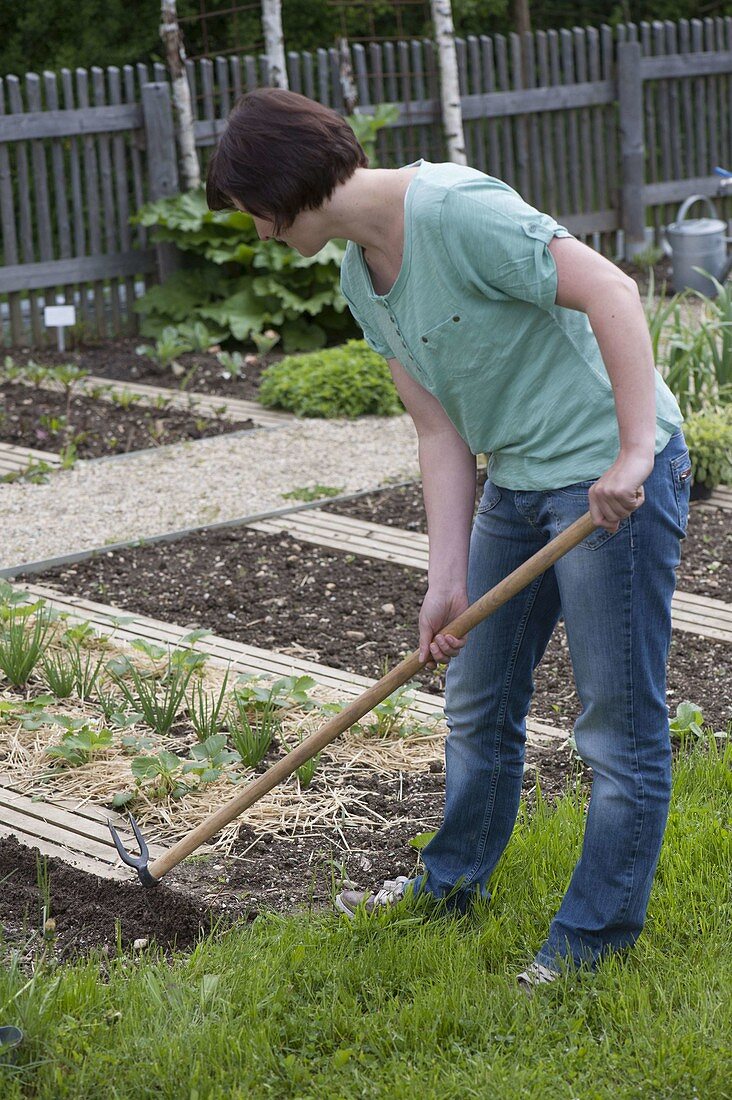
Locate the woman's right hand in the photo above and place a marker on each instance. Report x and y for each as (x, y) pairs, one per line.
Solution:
(440, 606)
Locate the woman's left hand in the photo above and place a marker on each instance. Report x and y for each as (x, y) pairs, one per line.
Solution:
(619, 491)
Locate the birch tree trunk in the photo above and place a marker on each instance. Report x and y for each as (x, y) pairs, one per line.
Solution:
(452, 117)
(274, 42)
(175, 53)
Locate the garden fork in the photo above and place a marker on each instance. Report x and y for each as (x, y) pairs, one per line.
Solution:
(312, 745)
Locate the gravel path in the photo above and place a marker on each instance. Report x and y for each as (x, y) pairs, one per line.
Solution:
(187, 484)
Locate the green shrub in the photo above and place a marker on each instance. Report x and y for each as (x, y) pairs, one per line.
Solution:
(709, 438)
(351, 380)
(239, 286)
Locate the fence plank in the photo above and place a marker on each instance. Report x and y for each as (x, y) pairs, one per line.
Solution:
(536, 166)
(674, 107)
(489, 83)
(111, 239)
(77, 197)
(121, 178)
(323, 77)
(501, 58)
(334, 64)
(585, 130)
(600, 196)
(560, 130)
(135, 150)
(207, 92)
(91, 187)
(163, 166)
(700, 101)
(361, 73)
(687, 105)
(293, 71)
(51, 273)
(308, 75)
(9, 236)
(548, 192)
(611, 150)
(63, 229)
(566, 46)
(478, 159)
(412, 145)
(27, 126)
(222, 80)
(520, 128)
(25, 217)
(250, 68)
(632, 150)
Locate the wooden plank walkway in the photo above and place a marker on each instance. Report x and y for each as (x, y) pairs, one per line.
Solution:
(695, 614)
(73, 831)
(14, 458)
(721, 497)
(243, 659)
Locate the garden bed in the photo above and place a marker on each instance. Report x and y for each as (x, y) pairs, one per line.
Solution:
(266, 871)
(89, 912)
(118, 360)
(706, 554)
(337, 609)
(41, 419)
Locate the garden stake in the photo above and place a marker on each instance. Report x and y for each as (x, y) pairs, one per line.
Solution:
(399, 675)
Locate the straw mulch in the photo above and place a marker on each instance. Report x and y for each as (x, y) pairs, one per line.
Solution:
(333, 799)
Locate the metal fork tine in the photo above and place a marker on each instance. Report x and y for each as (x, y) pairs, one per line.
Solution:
(139, 862)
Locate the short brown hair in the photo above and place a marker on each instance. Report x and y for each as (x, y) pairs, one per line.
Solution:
(281, 153)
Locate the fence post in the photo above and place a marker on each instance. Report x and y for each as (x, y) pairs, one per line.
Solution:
(162, 161)
(632, 147)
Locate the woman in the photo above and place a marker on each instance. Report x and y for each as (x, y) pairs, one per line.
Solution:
(506, 335)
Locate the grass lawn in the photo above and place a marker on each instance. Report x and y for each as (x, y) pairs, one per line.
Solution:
(403, 1006)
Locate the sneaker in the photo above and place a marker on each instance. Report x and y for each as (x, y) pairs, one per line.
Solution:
(349, 901)
(534, 975)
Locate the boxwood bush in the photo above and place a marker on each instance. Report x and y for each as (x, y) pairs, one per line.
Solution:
(350, 380)
(709, 439)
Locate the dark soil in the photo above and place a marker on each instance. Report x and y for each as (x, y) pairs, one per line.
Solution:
(265, 872)
(118, 359)
(706, 553)
(39, 418)
(284, 873)
(88, 910)
(337, 609)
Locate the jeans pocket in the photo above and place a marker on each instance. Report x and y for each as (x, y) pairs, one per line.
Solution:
(681, 476)
(490, 498)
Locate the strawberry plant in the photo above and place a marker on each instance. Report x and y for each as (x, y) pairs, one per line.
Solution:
(80, 742)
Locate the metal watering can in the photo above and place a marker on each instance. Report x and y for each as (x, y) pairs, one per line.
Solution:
(697, 243)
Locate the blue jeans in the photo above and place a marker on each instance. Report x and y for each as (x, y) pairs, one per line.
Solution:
(614, 592)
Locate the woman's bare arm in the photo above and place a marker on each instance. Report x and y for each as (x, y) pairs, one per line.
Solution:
(448, 485)
(587, 282)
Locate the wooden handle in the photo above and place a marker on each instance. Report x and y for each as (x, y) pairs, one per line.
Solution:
(400, 674)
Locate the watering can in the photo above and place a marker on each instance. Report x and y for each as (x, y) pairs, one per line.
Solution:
(697, 243)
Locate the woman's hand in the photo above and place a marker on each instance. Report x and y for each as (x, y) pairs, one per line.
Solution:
(440, 606)
(620, 490)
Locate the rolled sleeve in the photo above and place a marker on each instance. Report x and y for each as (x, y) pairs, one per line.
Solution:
(498, 244)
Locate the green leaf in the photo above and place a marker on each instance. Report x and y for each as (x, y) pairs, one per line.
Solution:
(154, 652)
(421, 840)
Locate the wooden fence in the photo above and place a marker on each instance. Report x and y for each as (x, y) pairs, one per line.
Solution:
(608, 129)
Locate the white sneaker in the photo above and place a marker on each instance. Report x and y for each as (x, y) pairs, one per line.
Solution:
(348, 901)
(536, 974)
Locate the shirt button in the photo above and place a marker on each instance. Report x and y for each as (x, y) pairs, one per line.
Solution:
(533, 227)
(424, 340)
